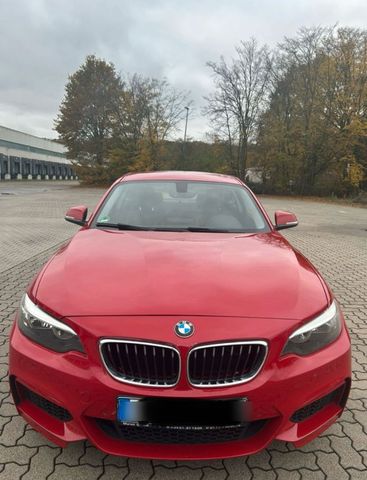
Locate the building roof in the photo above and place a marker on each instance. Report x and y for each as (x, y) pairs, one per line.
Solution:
(16, 137)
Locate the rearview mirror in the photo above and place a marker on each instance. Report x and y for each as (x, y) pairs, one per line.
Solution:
(77, 215)
(285, 220)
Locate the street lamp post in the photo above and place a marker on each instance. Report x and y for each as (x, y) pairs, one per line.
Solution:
(185, 135)
(187, 117)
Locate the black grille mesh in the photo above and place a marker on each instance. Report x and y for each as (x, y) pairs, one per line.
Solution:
(51, 408)
(142, 363)
(174, 435)
(225, 364)
(314, 407)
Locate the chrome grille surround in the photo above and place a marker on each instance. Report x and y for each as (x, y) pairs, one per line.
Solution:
(124, 378)
(217, 383)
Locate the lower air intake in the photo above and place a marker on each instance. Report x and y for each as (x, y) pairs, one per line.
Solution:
(314, 407)
(49, 407)
(180, 435)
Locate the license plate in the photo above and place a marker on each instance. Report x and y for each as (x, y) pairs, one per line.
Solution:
(163, 411)
(130, 410)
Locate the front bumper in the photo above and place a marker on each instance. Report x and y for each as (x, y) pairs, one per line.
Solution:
(79, 384)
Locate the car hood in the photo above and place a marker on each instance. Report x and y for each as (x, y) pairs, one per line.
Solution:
(110, 272)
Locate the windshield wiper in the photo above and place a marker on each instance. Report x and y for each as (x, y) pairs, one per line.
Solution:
(205, 229)
(126, 226)
(122, 226)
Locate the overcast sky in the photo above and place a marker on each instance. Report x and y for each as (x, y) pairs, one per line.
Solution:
(43, 41)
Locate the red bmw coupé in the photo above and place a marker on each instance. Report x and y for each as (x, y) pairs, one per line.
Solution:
(178, 323)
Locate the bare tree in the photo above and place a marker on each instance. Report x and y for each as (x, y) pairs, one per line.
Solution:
(131, 111)
(165, 109)
(240, 96)
(148, 112)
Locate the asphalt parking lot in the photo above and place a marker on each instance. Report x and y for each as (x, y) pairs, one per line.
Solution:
(333, 236)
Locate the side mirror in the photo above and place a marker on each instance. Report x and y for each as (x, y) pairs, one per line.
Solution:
(285, 220)
(77, 215)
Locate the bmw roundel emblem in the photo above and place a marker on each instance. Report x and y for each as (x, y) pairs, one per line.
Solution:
(184, 328)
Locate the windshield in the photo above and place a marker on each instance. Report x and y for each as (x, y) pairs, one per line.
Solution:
(181, 206)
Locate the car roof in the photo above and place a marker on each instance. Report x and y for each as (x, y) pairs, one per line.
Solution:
(180, 175)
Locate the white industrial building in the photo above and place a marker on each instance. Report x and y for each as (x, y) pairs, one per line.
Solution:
(24, 156)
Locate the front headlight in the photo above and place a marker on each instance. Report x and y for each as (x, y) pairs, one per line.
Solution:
(316, 334)
(40, 327)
